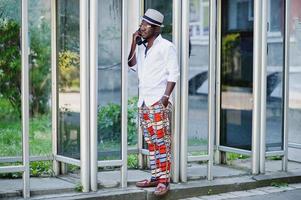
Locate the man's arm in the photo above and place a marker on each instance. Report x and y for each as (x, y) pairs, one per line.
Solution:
(132, 56)
(173, 74)
(169, 88)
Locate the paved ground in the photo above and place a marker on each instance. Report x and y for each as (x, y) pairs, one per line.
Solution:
(288, 192)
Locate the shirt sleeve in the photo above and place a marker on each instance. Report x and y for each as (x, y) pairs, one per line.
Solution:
(172, 65)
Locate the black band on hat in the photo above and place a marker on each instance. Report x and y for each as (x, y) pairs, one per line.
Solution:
(152, 20)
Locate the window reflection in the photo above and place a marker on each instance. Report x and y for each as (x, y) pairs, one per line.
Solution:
(236, 73)
(198, 77)
(275, 69)
(68, 78)
(10, 79)
(109, 79)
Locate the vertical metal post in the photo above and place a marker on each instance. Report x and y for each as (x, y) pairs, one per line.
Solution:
(184, 90)
(176, 25)
(256, 86)
(124, 93)
(211, 87)
(141, 157)
(25, 98)
(84, 96)
(54, 89)
(286, 84)
(93, 92)
(263, 85)
(217, 155)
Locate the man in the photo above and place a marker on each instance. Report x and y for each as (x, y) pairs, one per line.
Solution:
(155, 60)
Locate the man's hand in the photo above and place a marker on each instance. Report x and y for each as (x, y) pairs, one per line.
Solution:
(164, 101)
(135, 35)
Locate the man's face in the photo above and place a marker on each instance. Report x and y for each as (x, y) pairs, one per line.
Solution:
(146, 29)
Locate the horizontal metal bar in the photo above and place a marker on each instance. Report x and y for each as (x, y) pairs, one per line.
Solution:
(67, 160)
(19, 159)
(144, 152)
(274, 153)
(11, 169)
(111, 163)
(234, 150)
(294, 145)
(198, 158)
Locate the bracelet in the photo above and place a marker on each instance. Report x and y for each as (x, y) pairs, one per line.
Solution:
(165, 95)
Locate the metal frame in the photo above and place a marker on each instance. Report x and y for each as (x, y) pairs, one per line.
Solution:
(54, 88)
(294, 145)
(217, 156)
(93, 92)
(124, 96)
(211, 90)
(184, 90)
(176, 38)
(256, 117)
(19, 159)
(286, 85)
(84, 95)
(25, 98)
(263, 86)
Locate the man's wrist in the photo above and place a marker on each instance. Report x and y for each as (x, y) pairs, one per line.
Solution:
(165, 95)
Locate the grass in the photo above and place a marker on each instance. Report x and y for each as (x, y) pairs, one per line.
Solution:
(39, 137)
(235, 156)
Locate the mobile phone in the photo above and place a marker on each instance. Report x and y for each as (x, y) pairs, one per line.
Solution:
(139, 40)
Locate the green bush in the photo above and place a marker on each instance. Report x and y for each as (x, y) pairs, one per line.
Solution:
(10, 66)
(10, 63)
(109, 122)
(37, 168)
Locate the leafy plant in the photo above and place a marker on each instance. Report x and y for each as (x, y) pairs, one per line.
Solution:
(10, 63)
(279, 184)
(109, 122)
(133, 161)
(37, 168)
(78, 187)
(10, 66)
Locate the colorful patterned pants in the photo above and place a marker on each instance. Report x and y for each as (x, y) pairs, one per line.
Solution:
(155, 123)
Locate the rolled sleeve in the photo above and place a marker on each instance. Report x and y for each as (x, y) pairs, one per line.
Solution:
(134, 68)
(172, 65)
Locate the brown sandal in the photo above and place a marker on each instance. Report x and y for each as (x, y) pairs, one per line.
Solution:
(147, 183)
(161, 189)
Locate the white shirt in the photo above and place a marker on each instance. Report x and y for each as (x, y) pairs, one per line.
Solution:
(155, 69)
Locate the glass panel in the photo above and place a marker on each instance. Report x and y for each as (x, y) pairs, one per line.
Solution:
(236, 73)
(40, 77)
(109, 80)
(294, 112)
(10, 79)
(275, 67)
(165, 7)
(198, 77)
(68, 80)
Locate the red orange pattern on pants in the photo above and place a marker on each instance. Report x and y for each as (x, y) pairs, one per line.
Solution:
(155, 123)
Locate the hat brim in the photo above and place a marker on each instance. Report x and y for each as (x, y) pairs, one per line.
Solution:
(142, 18)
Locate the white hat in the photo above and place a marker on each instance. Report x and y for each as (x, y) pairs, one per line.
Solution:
(153, 17)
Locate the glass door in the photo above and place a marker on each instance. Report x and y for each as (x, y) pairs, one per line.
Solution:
(236, 73)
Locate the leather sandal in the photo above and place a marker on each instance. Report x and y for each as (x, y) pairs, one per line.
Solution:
(147, 183)
(161, 189)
